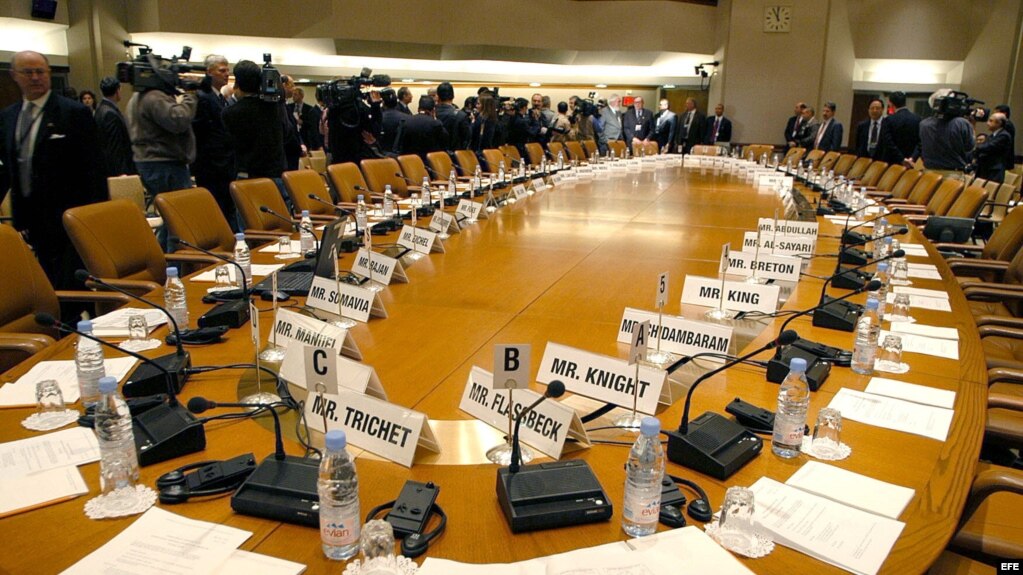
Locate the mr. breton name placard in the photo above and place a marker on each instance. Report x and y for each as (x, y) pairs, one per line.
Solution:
(779, 244)
(388, 430)
(768, 266)
(419, 240)
(381, 268)
(546, 428)
(601, 377)
(358, 303)
(739, 296)
(677, 334)
(291, 327)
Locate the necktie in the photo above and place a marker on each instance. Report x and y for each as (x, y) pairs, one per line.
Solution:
(27, 117)
(795, 128)
(717, 124)
(25, 149)
(872, 143)
(820, 135)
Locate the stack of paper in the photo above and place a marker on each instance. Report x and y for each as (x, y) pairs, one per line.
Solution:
(115, 323)
(914, 343)
(924, 271)
(922, 298)
(915, 250)
(22, 393)
(924, 419)
(258, 270)
(42, 470)
(852, 489)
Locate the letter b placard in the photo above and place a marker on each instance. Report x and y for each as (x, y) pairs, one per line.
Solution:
(511, 365)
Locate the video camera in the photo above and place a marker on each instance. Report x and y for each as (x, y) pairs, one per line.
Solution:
(271, 88)
(954, 105)
(149, 71)
(584, 108)
(345, 98)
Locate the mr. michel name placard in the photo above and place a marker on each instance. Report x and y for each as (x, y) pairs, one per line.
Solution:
(420, 240)
(601, 377)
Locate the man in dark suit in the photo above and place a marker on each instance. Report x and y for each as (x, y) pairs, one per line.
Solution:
(455, 121)
(53, 162)
(664, 126)
(114, 140)
(868, 132)
(638, 123)
(1010, 155)
(391, 119)
(900, 131)
(690, 127)
(719, 129)
(829, 133)
(990, 154)
(214, 165)
(404, 99)
(794, 125)
(308, 120)
(422, 133)
(293, 146)
(808, 128)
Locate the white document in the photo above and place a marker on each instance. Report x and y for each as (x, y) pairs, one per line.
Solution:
(692, 552)
(926, 345)
(914, 252)
(63, 448)
(258, 270)
(273, 248)
(163, 543)
(248, 563)
(949, 333)
(911, 392)
(922, 273)
(921, 266)
(924, 302)
(834, 533)
(115, 323)
(852, 489)
(892, 413)
(24, 492)
(932, 293)
(23, 392)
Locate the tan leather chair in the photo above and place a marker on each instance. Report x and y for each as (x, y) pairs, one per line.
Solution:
(829, 160)
(467, 161)
(873, 174)
(993, 257)
(940, 202)
(381, 172)
(511, 151)
(553, 148)
(967, 205)
(755, 151)
(844, 164)
(576, 151)
(888, 178)
(129, 187)
(793, 155)
(618, 146)
(649, 148)
(117, 246)
(998, 302)
(989, 528)
(494, 158)
(301, 183)
(318, 161)
(193, 215)
(249, 196)
(900, 188)
(413, 168)
(26, 292)
(590, 146)
(703, 150)
(922, 190)
(997, 207)
(536, 154)
(348, 181)
(814, 157)
(858, 168)
(440, 163)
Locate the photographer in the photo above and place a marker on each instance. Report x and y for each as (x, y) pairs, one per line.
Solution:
(946, 138)
(581, 119)
(256, 126)
(354, 117)
(561, 125)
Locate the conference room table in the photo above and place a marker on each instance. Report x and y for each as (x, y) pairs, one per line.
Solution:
(559, 266)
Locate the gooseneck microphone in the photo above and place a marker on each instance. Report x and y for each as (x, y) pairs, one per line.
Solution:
(896, 254)
(291, 222)
(198, 405)
(872, 285)
(230, 294)
(555, 389)
(338, 210)
(859, 241)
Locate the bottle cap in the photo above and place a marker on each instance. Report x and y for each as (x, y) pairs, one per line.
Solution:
(797, 365)
(240, 237)
(361, 198)
(85, 325)
(882, 267)
(872, 303)
(650, 426)
(336, 440)
(107, 384)
(305, 213)
(172, 272)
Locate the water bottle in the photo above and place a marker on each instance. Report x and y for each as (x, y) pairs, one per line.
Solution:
(500, 171)
(477, 178)
(338, 487)
(242, 256)
(305, 233)
(427, 200)
(882, 247)
(867, 329)
(881, 294)
(561, 161)
(362, 214)
(643, 474)
(174, 298)
(452, 186)
(388, 206)
(790, 418)
(89, 365)
(118, 462)
(880, 228)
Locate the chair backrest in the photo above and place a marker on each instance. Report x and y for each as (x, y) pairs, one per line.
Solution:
(318, 161)
(815, 157)
(381, 172)
(441, 164)
(494, 157)
(576, 151)
(554, 148)
(1007, 239)
(793, 155)
(890, 177)
(757, 150)
(924, 188)
(301, 183)
(968, 204)
(25, 288)
(128, 187)
(703, 150)
(618, 146)
(511, 151)
(193, 215)
(250, 195)
(873, 174)
(535, 153)
(829, 160)
(1011, 178)
(844, 164)
(944, 197)
(905, 184)
(345, 177)
(115, 241)
(414, 168)
(590, 146)
(858, 168)
(467, 161)
(649, 148)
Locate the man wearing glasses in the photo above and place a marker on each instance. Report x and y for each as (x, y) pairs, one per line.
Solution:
(51, 162)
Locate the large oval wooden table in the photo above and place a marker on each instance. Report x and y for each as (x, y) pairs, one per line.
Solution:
(560, 266)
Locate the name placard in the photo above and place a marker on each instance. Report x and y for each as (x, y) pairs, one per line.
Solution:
(546, 428)
(419, 240)
(783, 245)
(519, 191)
(538, 184)
(357, 302)
(768, 266)
(344, 373)
(444, 222)
(585, 171)
(380, 268)
(739, 296)
(604, 378)
(390, 431)
(788, 227)
(677, 334)
(471, 210)
(291, 327)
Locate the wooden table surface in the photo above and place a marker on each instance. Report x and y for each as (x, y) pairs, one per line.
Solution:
(560, 266)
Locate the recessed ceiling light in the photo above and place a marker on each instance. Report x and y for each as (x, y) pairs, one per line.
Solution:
(408, 79)
(535, 84)
(602, 85)
(669, 86)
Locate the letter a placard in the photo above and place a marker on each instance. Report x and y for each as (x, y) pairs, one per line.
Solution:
(640, 333)
(511, 366)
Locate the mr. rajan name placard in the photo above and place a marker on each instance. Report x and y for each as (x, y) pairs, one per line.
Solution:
(382, 269)
(604, 378)
(546, 428)
(292, 327)
(738, 296)
(358, 303)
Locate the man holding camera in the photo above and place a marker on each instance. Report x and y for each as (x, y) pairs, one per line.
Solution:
(256, 126)
(946, 138)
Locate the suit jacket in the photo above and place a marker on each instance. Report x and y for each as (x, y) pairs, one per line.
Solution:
(990, 156)
(808, 133)
(724, 130)
(309, 130)
(292, 141)
(790, 129)
(391, 121)
(421, 134)
(1010, 154)
(694, 136)
(456, 124)
(214, 148)
(832, 138)
(114, 140)
(863, 140)
(403, 108)
(612, 123)
(900, 135)
(665, 127)
(67, 171)
(640, 126)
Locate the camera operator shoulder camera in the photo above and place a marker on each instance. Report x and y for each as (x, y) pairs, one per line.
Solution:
(257, 121)
(353, 116)
(946, 138)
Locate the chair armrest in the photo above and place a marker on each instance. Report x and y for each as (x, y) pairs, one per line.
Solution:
(1003, 320)
(957, 248)
(913, 209)
(897, 201)
(192, 258)
(24, 342)
(138, 287)
(975, 267)
(84, 296)
(982, 292)
(999, 331)
(1005, 375)
(988, 482)
(916, 218)
(877, 194)
(265, 233)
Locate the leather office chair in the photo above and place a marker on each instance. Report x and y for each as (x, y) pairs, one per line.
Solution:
(989, 528)
(494, 159)
(129, 187)
(535, 153)
(995, 210)
(26, 292)
(901, 188)
(440, 163)
(576, 151)
(922, 190)
(591, 147)
(318, 161)
(554, 148)
(891, 176)
(348, 181)
(814, 157)
(998, 302)
(414, 169)
(703, 150)
(829, 160)
(844, 163)
(1001, 247)
(753, 152)
(618, 146)
(858, 168)
(793, 155)
(967, 205)
(116, 245)
(940, 202)
(467, 161)
(381, 172)
(1011, 178)
(511, 151)
(193, 215)
(873, 174)
(649, 148)
(249, 196)
(301, 183)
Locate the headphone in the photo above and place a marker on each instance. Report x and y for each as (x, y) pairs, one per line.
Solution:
(414, 544)
(699, 509)
(210, 478)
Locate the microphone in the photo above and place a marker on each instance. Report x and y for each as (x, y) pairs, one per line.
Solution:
(339, 211)
(423, 210)
(198, 405)
(841, 273)
(555, 389)
(146, 381)
(712, 444)
(232, 313)
(232, 294)
(290, 221)
(163, 432)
